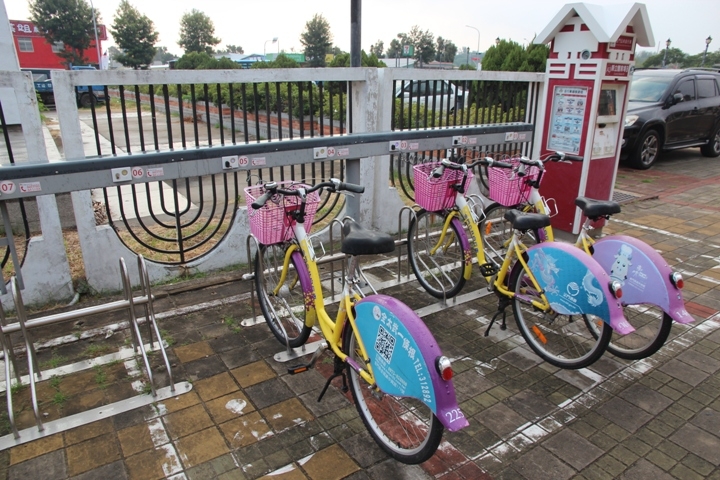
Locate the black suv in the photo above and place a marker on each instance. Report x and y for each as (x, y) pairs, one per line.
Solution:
(671, 109)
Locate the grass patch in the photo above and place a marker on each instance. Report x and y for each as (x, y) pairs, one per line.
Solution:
(232, 324)
(96, 350)
(53, 362)
(169, 340)
(100, 376)
(59, 399)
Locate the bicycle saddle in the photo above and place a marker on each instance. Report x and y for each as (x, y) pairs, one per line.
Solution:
(527, 221)
(360, 241)
(593, 209)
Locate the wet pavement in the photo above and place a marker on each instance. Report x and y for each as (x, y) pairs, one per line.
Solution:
(245, 417)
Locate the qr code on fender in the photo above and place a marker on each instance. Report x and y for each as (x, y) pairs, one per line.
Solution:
(384, 343)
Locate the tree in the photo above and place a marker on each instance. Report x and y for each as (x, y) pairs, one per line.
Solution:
(162, 55)
(66, 21)
(281, 61)
(395, 49)
(377, 49)
(135, 35)
(445, 50)
(317, 40)
(424, 44)
(203, 61)
(196, 32)
(509, 56)
(366, 60)
(230, 49)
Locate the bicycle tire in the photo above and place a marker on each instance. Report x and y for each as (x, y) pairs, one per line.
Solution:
(561, 340)
(652, 329)
(405, 428)
(440, 274)
(287, 309)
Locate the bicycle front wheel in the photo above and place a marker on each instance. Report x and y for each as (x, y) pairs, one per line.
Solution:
(438, 265)
(562, 340)
(652, 329)
(282, 302)
(405, 428)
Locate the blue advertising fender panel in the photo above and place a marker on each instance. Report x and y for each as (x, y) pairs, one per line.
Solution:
(574, 283)
(402, 353)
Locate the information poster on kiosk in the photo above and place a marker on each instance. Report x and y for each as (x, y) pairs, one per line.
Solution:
(568, 116)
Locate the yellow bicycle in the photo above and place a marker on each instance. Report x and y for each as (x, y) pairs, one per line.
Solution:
(399, 378)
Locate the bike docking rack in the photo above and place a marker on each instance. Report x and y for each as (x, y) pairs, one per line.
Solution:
(24, 325)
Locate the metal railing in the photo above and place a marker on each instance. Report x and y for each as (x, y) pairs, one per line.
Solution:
(181, 216)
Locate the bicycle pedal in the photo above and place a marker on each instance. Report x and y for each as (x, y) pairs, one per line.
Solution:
(298, 369)
(489, 269)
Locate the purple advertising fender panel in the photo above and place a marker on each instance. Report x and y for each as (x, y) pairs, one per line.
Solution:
(643, 272)
(402, 353)
(575, 283)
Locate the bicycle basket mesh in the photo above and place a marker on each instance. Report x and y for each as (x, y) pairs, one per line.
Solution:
(506, 187)
(269, 224)
(435, 194)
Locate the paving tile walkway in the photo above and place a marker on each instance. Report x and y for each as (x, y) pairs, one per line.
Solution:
(246, 418)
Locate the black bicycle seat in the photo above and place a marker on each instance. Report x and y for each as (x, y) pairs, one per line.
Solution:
(594, 209)
(360, 241)
(527, 221)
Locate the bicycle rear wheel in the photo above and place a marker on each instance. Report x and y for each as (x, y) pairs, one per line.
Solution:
(405, 428)
(562, 340)
(652, 329)
(284, 312)
(438, 268)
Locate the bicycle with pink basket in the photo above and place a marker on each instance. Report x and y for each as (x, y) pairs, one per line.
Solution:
(399, 379)
(555, 289)
(437, 255)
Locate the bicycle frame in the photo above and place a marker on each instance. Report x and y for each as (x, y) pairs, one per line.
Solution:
(412, 372)
(469, 220)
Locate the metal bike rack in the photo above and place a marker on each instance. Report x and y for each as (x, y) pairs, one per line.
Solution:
(412, 215)
(25, 325)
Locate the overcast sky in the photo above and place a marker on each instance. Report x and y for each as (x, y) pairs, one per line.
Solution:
(253, 24)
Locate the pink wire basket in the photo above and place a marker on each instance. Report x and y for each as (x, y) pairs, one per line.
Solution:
(270, 224)
(506, 187)
(434, 194)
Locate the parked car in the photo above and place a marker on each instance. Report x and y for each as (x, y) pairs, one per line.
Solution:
(671, 109)
(445, 95)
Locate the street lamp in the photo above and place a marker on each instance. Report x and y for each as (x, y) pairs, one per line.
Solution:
(275, 39)
(667, 46)
(707, 44)
(497, 42)
(478, 46)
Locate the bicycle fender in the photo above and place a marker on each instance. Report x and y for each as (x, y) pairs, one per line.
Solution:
(643, 272)
(575, 283)
(402, 353)
(465, 244)
(306, 285)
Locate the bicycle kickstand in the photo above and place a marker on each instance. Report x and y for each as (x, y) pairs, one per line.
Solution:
(338, 371)
(502, 305)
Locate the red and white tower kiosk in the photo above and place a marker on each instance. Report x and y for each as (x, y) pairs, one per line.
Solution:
(592, 52)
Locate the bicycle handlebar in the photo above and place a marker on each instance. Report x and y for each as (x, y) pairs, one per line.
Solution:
(486, 162)
(560, 156)
(335, 185)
